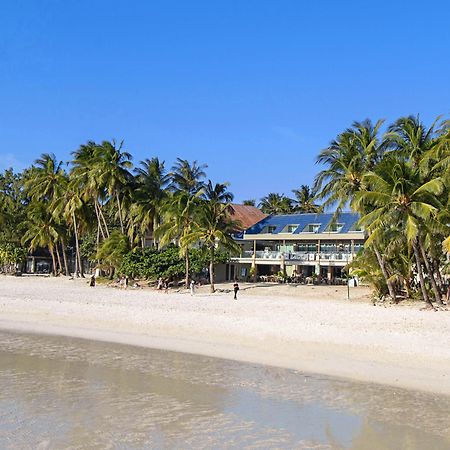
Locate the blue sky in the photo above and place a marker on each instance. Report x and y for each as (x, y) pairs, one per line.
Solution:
(253, 88)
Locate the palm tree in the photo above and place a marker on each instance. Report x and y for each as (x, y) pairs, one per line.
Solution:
(45, 183)
(276, 204)
(249, 202)
(212, 227)
(180, 208)
(112, 166)
(347, 160)
(85, 174)
(400, 198)
(179, 211)
(186, 177)
(148, 196)
(45, 178)
(41, 230)
(304, 200)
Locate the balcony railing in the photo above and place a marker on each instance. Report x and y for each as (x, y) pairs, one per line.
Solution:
(297, 256)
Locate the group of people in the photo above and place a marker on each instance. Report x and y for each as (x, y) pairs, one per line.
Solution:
(162, 285)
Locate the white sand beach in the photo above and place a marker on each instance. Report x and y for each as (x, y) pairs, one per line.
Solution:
(308, 328)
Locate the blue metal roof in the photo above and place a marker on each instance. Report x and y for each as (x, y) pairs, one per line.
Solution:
(303, 220)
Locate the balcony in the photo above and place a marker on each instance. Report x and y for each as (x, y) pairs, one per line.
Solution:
(293, 257)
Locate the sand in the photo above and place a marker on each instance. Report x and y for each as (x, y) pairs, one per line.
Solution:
(312, 329)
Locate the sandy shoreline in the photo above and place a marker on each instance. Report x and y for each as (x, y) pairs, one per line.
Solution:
(310, 329)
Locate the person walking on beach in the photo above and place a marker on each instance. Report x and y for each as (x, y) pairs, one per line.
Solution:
(235, 289)
(192, 286)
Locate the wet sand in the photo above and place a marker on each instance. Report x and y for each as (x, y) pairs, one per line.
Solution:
(58, 392)
(305, 328)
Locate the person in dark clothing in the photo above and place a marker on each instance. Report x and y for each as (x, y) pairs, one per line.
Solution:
(92, 280)
(235, 289)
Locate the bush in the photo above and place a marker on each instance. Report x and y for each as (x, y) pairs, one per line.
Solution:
(151, 264)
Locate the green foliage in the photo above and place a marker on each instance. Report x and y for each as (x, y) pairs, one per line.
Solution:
(151, 264)
(88, 246)
(113, 249)
(10, 256)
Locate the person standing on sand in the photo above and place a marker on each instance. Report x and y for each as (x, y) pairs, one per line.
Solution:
(92, 280)
(235, 289)
(192, 286)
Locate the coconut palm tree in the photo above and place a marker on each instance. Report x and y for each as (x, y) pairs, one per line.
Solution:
(304, 200)
(179, 211)
(181, 206)
(148, 196)
(41, 230)
(186, 177)
(85, 174)
(112, 166)
(212, 227)
(275, 204)
(399, 197)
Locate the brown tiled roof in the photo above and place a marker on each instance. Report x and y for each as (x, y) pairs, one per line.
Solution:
(247, 215)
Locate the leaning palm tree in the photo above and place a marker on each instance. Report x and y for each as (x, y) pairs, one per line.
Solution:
(85, 175)
(400, 198)
(212, 228)
(347, 160)
(304, 201)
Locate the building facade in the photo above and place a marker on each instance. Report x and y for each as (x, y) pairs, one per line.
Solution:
(298, 245)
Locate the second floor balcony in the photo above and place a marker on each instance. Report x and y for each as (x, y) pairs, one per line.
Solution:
(292, 257)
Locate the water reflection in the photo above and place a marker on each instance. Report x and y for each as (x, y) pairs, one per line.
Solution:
(68, 393)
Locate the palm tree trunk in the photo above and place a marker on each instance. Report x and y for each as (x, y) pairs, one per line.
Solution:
(63, 248)
(120, 213)
(437, 271)
(50, 248)
(437, 294)
(187, 269)
(99, 225)
(211, 271)
(103, 218)
(155, 226)
(382, 265)
(420, 273)
(59, 258)
(77, 248)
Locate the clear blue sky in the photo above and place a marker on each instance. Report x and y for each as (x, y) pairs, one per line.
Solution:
(253, 88)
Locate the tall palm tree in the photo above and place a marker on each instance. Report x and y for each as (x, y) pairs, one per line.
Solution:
(347, 160)
(112, 166)
(212, 228)
(148, 196)
(179, 211)
(186, 177)
(180, 208)
(304, 200)
(276, 204)
(85, 174)
(400, 198)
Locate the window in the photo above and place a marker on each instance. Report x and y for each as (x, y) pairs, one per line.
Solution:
(312, 228)
(290, 228)
(270, 229)
(335, 227)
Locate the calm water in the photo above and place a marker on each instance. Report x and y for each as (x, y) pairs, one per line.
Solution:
(69, 393)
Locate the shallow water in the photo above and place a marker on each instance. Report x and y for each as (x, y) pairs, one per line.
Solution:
(58, 392)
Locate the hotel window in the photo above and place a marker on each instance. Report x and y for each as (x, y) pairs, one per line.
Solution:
(290, 228)
(312, 228)
(271, 229)
(335, 227)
